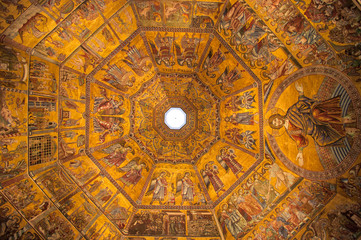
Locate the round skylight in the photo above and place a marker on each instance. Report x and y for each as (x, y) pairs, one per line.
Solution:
(175, 118)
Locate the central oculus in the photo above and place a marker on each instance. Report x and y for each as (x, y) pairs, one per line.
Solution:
(175, 118)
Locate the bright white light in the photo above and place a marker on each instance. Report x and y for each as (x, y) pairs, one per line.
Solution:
(175, 118)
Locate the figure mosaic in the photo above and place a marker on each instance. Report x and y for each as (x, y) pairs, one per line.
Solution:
(53, 226)
(228, 77)
(158, 223)
(210, 175)
(107, 111)
(10, 124)
(23, 194)
(245, 100)
(118, 214)
(228, 160)
(231, 220)
(13, 68)
(56, 182)
(10, 166)
(103, 195)
(185, 185)
(297, 209)
(351, 184)
(244, 118)
(341, 222)
(80, 172)
(162, 50)
(262, 189)
(213, 61)
(138, 61)
(189, 54)
(281, 176)
(321, 120)
(117, 154)
(11, 227)
(36, 25)
(159, 187)
(202, 224)
(133, 172)
(241, 138)
(150, 10)
(177, 11)
(119, 78)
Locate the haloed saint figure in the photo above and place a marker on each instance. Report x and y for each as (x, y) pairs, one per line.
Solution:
(322, 120)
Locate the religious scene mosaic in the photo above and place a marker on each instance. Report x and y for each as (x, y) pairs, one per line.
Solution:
(269, 93)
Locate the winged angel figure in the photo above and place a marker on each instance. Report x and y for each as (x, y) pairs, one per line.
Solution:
(213, 61)
(133, 172)
(117, 154)
(228, 77)
(188, 56)
(159, 187)
(162, 50)
(228, 160)
(185, 186)
(210, 175)
(137, 61)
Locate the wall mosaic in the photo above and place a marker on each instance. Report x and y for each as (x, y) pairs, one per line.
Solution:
(271, 144)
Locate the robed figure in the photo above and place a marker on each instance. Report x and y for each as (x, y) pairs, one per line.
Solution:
(133, 172)
(210, 175)
(159, 187)
(322, 120)
(185, 185)
(227, 159)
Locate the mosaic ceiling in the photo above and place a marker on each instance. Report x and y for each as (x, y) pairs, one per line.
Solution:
(270, 91)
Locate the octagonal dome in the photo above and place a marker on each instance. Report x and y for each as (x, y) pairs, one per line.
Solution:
(271, 97)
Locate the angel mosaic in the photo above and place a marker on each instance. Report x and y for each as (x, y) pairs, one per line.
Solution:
(133, 172)
(227, 159)
(322, 120)
(245, 100)
(228, 77)
(138, 61)
(119, 78)
(185, 185)
(241, 138)
(213, 61)
(189, 55)
(159, 187)
(117, 154)
(244, 118)
(162, 50)
(107, 113)
(210, 176)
